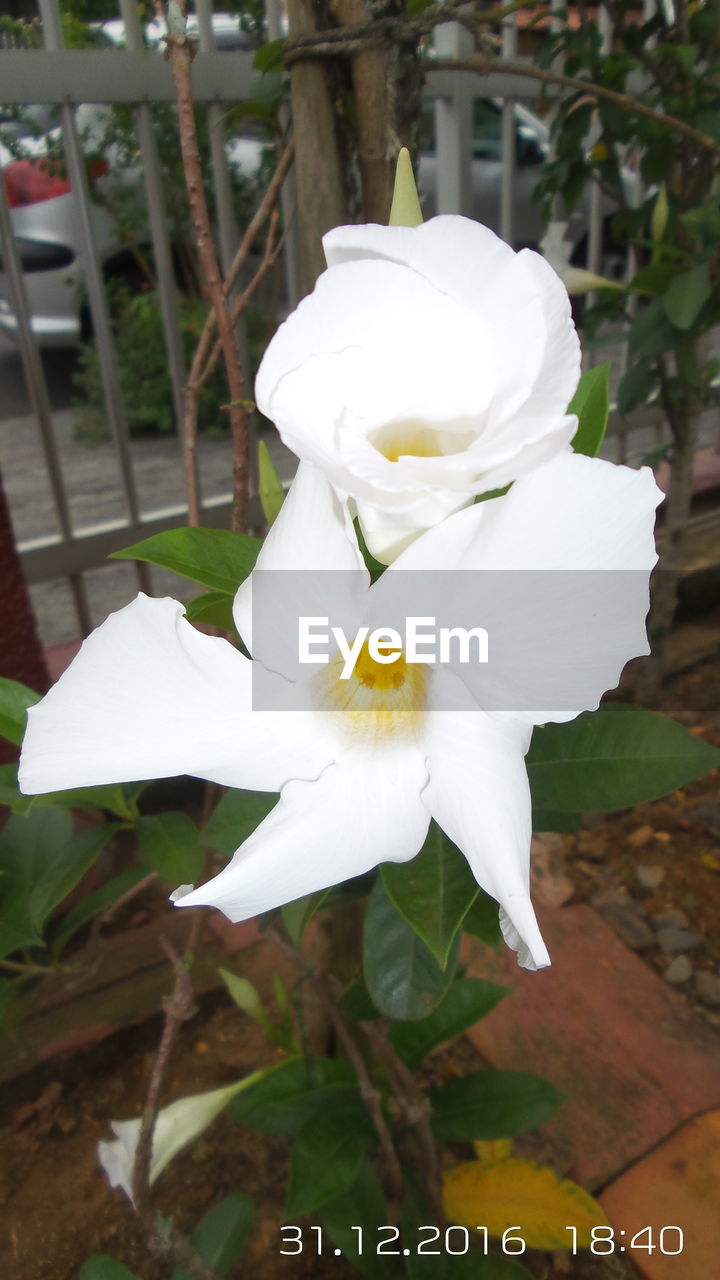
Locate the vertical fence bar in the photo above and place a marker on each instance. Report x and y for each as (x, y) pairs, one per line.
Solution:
(227, 227)
(157, 216)
(508, 136)
(40, 400)
(54, 41)
(453, 129)
(288, 195)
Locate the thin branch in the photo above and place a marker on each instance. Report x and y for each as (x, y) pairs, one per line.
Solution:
(416, 1108)
(17, 966)
(323, 986)
(201, 359)
(483, 64)
(178, 1007)
(269, 258)
(181, 55)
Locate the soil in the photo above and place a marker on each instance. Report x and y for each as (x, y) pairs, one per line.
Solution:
(57, 1209)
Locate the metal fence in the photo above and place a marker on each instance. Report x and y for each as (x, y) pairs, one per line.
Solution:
(66, 78)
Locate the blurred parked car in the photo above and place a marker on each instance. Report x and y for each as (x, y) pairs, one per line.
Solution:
(44, 217)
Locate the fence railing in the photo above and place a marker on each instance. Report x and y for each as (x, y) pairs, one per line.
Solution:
(66, 78)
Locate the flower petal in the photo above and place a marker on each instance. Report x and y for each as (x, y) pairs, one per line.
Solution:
(519, 291)
(479, 794)
(149, 696)
(563, 561)
(362, 811)
(312, 544)
(378, 340)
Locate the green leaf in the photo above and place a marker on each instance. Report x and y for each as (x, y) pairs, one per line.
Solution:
(94, 905)
(433, 891)
(247, 998)
(214, 608)
(636, 385)
(402, 976)
(15, 699)
(591, 403)
(221, 1235)
(687, 295)
(170, 844)
(118, 799)
(236, 817)
(467, 1001)
(282, 1103)
(297, 914)
(41, 861)
(103, 1267)
(216, 558)
(483, 921)
(363, 1205)
(651, 334)
(270, 488)
(65, 867)
(546, 820)
(492, 1104)
(10, 796)
(614, 758)
(269, 56)
(355, 1002)
(327, 1153)
(653, 279)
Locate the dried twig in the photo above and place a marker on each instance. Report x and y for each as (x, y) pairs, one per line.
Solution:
(182, 51)
(202, 360)
(178, 1007)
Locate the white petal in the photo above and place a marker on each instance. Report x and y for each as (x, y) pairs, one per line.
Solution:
(479, 794)
(175, 1127)
(376, 339)
(362, 811)
(148, 696)
(564, 596)
(312, 535)
(521, 294)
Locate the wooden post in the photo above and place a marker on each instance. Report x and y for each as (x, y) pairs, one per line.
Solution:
(321, 192)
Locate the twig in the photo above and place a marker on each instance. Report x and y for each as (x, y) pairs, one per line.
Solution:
(181, 54)
(17, 966)
(270, 255)
(416, 1108)
(122, 901)
(323, 985)
(368, 1092)
(200, 362)
(178, 1007)
(484, 64)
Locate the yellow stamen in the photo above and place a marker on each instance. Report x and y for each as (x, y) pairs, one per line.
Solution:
(379, 700)
(417, 440)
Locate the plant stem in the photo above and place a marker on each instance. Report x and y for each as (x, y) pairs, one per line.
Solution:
(181, 55)
(178, 1007)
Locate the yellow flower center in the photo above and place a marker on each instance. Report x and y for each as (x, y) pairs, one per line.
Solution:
(379, 700)
(417, 440)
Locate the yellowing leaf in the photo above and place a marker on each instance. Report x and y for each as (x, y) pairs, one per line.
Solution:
(517, 1193)
(711, 861)
(493, 1149)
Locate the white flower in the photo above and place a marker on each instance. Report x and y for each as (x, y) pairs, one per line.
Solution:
(175, 1127)
(431, 364)
(150, 696)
